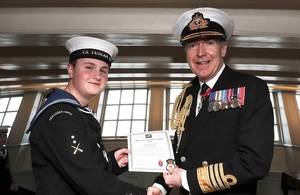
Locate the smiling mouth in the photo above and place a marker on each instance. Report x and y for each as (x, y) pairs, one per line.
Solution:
(95, 84)
(203, 62)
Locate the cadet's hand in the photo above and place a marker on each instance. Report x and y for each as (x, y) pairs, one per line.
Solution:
(153, 191)
(121, 157)
(173, 177)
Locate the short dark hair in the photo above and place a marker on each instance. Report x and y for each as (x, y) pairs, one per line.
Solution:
(73, 63)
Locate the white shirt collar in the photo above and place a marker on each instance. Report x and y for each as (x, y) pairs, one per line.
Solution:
(211, 83)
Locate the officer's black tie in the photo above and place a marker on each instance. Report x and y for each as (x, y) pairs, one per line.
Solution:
(204, 88)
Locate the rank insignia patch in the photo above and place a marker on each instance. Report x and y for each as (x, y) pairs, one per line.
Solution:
(76, 147)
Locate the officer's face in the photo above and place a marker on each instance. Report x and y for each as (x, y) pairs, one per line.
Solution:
(205, 57)
(88, 77)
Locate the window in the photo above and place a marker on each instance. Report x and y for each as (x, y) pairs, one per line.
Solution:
(126, 111)
(171, 95)
(276, 117)
(9, 107)
(298, 101)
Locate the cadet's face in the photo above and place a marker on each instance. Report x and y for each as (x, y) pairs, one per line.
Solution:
(3, 139)
(88, 77)
(205, 57)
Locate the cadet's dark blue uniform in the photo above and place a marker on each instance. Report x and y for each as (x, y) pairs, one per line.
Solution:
(67, 152)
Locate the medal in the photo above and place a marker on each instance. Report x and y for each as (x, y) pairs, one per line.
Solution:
(228, 105)
(228, 100)
(223, 106)
(210, 107)
(234, 103)
(216, 106)
(211, 101)
(234, 98)
(223, 101)
(241, 96)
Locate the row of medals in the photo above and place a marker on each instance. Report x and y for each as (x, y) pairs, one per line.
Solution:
(219, 100)
(213, 105)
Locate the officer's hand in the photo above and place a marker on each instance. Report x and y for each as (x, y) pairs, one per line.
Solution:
(173, 177)
(153, 191)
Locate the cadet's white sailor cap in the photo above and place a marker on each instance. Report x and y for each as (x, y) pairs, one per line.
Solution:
(90, 47)
(3, 129)
(202, 23)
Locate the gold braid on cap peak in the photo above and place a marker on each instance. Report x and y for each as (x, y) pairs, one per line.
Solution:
(211, 178)
(179, 112)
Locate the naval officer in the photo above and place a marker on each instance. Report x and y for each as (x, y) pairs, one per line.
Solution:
(223, 119)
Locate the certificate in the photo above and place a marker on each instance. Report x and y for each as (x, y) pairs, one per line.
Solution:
(150, 151)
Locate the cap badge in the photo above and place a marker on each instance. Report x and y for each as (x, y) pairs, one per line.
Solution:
(198, 22)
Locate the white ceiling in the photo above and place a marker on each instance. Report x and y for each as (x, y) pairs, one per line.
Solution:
(266, 40)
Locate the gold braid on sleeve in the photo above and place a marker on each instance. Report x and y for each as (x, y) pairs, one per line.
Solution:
(211, 178)
(179, 112)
